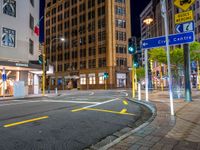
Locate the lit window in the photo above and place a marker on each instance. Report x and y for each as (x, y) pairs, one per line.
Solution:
(92, 79)
(83, 79)
(101, 80)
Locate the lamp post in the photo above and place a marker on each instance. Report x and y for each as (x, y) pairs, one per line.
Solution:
(62, 39)
(148, 22)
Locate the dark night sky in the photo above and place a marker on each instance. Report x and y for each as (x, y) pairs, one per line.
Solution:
(136, 7)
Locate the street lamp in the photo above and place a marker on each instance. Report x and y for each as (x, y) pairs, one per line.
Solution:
(62, 39)
(147, 21)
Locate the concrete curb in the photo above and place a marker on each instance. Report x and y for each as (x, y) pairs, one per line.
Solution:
(129, 132)
(25, 98)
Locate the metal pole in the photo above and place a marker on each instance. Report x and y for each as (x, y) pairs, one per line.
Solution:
(133, 79)
(198, 75)
(146, 75)
(188, 97)
(168, 58)
(139, 91)
(43, 74)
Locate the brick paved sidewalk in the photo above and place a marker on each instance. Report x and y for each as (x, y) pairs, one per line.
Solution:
(165, 132)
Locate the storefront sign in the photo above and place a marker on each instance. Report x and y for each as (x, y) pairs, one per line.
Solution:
(21, 65)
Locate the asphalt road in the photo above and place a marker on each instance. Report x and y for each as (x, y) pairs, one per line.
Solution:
(72, 121)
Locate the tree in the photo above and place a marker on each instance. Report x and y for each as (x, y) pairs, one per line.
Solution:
(195, 51)
(140, 72)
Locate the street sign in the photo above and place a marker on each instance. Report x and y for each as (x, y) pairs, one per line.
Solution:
(184, 17)
(174, 39)
(185, 27)
(183, 4)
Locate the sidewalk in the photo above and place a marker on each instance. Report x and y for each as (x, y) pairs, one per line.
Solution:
(51, 94)
(165, 132)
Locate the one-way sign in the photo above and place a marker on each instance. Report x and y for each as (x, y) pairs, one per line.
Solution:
(185, 27)
(174, 39)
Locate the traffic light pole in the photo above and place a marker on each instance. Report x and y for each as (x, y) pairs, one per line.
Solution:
(43, 73)
(105, 84)
(133, 80)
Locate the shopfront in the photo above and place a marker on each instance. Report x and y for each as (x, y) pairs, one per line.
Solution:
(121, 80)
(18, 73)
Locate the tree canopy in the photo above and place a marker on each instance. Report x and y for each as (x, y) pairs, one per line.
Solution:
(176, 54)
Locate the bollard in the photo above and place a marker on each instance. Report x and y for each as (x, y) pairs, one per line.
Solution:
(139, 91)
(56, 90)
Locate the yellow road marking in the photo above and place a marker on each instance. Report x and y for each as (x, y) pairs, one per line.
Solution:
(109, 111)
(123, 111)
(25, 121)
(79, 109)
(125, 102)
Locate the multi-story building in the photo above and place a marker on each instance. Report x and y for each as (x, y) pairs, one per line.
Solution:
(96, 34)
(18, 45)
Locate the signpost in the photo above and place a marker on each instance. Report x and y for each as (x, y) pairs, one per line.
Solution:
(174, 39)
(185, 27)
(183, 4)
(184, 17)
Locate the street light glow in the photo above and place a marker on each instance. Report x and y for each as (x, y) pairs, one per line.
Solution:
(148, 20)
(62, 39)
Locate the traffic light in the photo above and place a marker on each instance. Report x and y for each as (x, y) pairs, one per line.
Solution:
(40, 59)
(105, 75)
(135, 59)
(132, 45)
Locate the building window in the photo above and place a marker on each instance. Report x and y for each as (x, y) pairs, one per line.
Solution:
(121, 62)
(92, 63)
(32, 2)
(102, 62)
(92, 79)
(92, 51)
(83, 65)
(31, 46)
(120, 23)
(31, 22)
(101, 78)
(8, 37)
(9, 7)
(101, 23)
(121, 36)
(101, 11)
(121, 49)
(91, 15)
(101, 36)
(91, 38)
(102, 49)
(120, 11)
(120, 1)
(91, 3)
(101, 1)
(82, 79)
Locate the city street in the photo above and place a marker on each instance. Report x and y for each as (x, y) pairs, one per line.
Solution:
(72, 120)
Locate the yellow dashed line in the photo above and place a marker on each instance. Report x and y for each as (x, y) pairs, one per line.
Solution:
(79, 109)
(123, 111)
(25, 121)
(125, 102)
